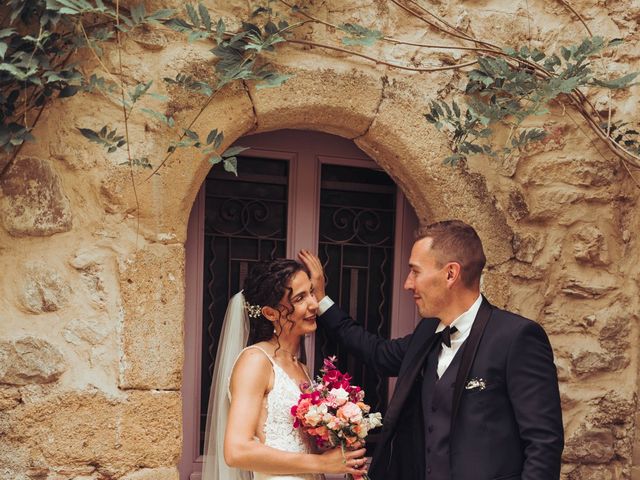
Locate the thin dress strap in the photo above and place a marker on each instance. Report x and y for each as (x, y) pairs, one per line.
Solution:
(262, 350)
(273, 363)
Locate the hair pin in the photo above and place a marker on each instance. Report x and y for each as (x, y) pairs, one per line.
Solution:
(254, 311)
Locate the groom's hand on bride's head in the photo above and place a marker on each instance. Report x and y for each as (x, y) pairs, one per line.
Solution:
(314, 265)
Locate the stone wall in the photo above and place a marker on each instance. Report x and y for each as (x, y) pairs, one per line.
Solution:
(92, 291)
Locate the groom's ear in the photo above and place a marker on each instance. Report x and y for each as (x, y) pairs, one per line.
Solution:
(454, 269)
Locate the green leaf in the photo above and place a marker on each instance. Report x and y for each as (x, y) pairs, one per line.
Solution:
(215, 159)
(13, 70)
(196, 35)
(6, 32)
(218, 141)
(456, 109)
(204, 15)
(537, 55)
(270, 28)
(191, 134)
(161, 14)
(566, 53)
(430, 118)
(179, 25)
(273, 80)
(551, 62)
(454, 159)
(617, 83)
(193, 15)
(359, 35)
(260, 10)
(3, 49)
(160, 116)
(220, 29)
(233, 151)
(212, 136)
(137, 13)
(68, 11)
(231, 165)
(90, 134)
(68, 91)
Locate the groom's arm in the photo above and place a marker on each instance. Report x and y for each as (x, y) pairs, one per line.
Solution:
(532, 383)
(382, 354)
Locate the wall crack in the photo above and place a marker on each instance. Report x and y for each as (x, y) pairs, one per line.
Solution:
(253, 105)
(385, 82)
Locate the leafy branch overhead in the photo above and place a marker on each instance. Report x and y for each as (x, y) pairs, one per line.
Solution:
(506, 87)
(501, 91)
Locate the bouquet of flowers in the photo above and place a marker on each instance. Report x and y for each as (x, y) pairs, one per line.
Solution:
(333, 411)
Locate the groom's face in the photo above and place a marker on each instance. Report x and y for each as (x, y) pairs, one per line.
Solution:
(427, 280)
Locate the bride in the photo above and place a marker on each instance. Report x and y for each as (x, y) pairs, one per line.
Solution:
(250, 430)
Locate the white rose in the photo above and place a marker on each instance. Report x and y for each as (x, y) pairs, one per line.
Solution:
(340, 395)
(375, 420)
(313, 416)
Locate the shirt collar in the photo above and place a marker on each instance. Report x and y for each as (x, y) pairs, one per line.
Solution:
(464, 322)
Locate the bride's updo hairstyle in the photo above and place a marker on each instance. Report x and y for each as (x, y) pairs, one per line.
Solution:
(266, 285)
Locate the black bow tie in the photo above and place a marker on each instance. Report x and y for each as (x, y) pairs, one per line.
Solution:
(446, 335)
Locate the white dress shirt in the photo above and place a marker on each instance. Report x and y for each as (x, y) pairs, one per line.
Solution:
(463, 323)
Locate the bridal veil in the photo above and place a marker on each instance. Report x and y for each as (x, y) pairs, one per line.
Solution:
(235, 331)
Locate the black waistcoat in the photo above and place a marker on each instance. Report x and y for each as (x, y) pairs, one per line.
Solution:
(437, 402)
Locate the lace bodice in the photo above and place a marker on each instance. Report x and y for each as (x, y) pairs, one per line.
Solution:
(278, 426)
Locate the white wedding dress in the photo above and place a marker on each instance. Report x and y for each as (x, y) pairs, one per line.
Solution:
(278, 427)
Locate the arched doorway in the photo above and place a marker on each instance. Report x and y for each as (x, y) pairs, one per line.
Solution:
(295, 189)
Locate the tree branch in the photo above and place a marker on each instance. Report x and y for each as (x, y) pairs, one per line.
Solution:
(382, 62)
(566, 4)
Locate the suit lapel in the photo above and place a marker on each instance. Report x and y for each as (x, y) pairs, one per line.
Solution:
(414, 361)
(469, 354)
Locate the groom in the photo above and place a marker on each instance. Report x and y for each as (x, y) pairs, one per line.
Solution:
(477, 392)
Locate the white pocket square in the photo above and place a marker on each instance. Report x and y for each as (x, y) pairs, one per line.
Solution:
(476, 384)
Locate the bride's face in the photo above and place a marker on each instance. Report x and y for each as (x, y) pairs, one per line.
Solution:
(302, 303)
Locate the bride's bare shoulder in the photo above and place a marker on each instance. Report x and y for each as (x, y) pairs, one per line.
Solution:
(253, 359)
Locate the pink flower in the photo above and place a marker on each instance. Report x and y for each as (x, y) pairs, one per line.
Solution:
(351, 412)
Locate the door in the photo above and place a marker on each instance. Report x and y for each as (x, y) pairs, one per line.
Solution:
(295, 189)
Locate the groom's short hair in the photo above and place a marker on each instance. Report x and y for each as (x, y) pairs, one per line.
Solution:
(456, 241)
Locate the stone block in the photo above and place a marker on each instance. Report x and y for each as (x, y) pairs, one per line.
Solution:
(43, 289)
(30, 360)
(592, 472)
(166, 473)
(330, 96)
(590, 247)
(32, 201)
(527, 246)
(86, 330)
(9, 397)
(587, 363)
(90, 265)
(590, 446)
(116, 436)
(576, 286)
(152, 286)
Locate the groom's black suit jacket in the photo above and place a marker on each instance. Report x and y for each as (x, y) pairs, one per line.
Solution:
(509, 430)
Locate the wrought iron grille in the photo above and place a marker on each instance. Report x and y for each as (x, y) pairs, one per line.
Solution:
(245, 222)
(357, 222)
